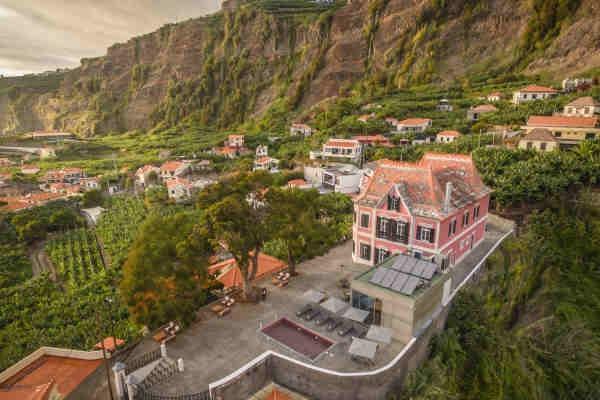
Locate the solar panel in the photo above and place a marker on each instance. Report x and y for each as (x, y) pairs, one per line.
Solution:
(429, 271)
(409, 265)
(389, 278)
(418, 269)
(410, 286)
(399, 282)
(378, 275)
(400, 261)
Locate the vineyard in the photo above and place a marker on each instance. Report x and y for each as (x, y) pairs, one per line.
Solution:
(118, 227)
(76, 255)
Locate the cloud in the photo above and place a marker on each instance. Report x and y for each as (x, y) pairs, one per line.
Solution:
(40, 35)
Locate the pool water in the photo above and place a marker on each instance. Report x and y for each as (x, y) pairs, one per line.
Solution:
(297, 338)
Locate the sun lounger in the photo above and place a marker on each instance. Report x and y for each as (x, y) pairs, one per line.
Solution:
(309, 316)
(359, 331)
(303, 310)
(345, 328)
(333, 323)
(322, 319)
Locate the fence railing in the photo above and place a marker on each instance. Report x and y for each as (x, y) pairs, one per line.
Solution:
(147, 395)
(142, 361)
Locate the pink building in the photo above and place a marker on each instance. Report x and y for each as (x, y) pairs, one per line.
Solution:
(435, 209)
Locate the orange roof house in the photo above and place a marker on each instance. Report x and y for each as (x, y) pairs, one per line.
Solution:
(48, 371)
(229, 274)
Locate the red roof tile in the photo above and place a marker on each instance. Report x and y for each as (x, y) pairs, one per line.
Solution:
(560, 121)
(414, 121)
(342, 143)
(538, 89)
(540, 134)
(449, 133)
(229, 274)
(171, 166)
(422, 185)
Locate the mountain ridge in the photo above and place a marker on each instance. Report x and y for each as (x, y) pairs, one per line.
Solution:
(232, 65)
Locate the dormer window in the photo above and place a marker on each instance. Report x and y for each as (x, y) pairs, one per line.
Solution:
(393, 203)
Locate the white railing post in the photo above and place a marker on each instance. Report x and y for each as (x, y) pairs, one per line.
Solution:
(163, 350)
(180, 365)
(119, 374)
(131, 388)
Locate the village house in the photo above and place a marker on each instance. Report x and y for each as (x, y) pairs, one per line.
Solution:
(475, 113)
(539, 139)
(204, 165)
(266, 163)
(27, 169)
(570, 85)
(366, 117)
(373, 140)
(300, 129)
(447, 136)
(338, 178)
(144, 175)
(5, 178)
(262, 151)
(179, 188)
(64, 175)
(5, 163)
(342, 148)
(67, 189)
(226, 151)
(494, 97)
(532, 93)
(413, 125)
(174, 169)
(434, 209)
(569, 131)
(582, 107)
(235, 141)
(298, 184)
(444, 106)
(92, 183)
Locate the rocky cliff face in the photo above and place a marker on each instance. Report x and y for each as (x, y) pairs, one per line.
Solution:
(222, 68)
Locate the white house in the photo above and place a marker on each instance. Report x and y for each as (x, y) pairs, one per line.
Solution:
(494, 97)
(413, 125)
(90, 183)
(339, 178)
(179, 188)
(266, 163)
(570, 85)
(142, 175)
(342, 148)
(582, 107)
(262, 151)
(532, 93)
(300, 129)
(173, 169)
(447, 136)
(444, 106)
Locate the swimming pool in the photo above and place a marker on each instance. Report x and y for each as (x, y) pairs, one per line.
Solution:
(298, 338)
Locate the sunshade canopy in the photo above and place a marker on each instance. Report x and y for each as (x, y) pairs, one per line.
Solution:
(363, 348)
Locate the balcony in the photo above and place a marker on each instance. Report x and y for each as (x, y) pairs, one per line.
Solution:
(394, 231)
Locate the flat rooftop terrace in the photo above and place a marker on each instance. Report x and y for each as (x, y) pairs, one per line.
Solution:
(216, 347)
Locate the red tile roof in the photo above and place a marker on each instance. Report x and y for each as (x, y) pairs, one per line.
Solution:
(587, 101)
(66, 373)
(229, 274)
(171, 166)
(484, 108)
(342, 143)
(414, 121)
(449, 133)
(560, 121)
(422, 185)
(301, 126)
(538, 89)
(33, 392)
(296, 182)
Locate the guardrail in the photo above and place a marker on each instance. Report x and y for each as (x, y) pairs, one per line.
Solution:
(142, 361)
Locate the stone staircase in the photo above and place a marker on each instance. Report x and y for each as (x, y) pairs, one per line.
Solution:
(165, 368)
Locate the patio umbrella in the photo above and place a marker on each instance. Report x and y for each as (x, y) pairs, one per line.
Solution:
(363, 348)
(356, 314)
(334, 305)
(379, 334)
(313, 296)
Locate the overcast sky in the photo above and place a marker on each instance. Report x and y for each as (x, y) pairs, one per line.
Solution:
(41, 35)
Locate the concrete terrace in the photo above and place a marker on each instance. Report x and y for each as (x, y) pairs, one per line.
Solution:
(215, 347)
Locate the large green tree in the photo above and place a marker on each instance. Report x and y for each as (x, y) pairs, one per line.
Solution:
(293, 219)
(164, 275)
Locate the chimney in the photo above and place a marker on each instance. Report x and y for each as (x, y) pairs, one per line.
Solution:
(447, 196)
